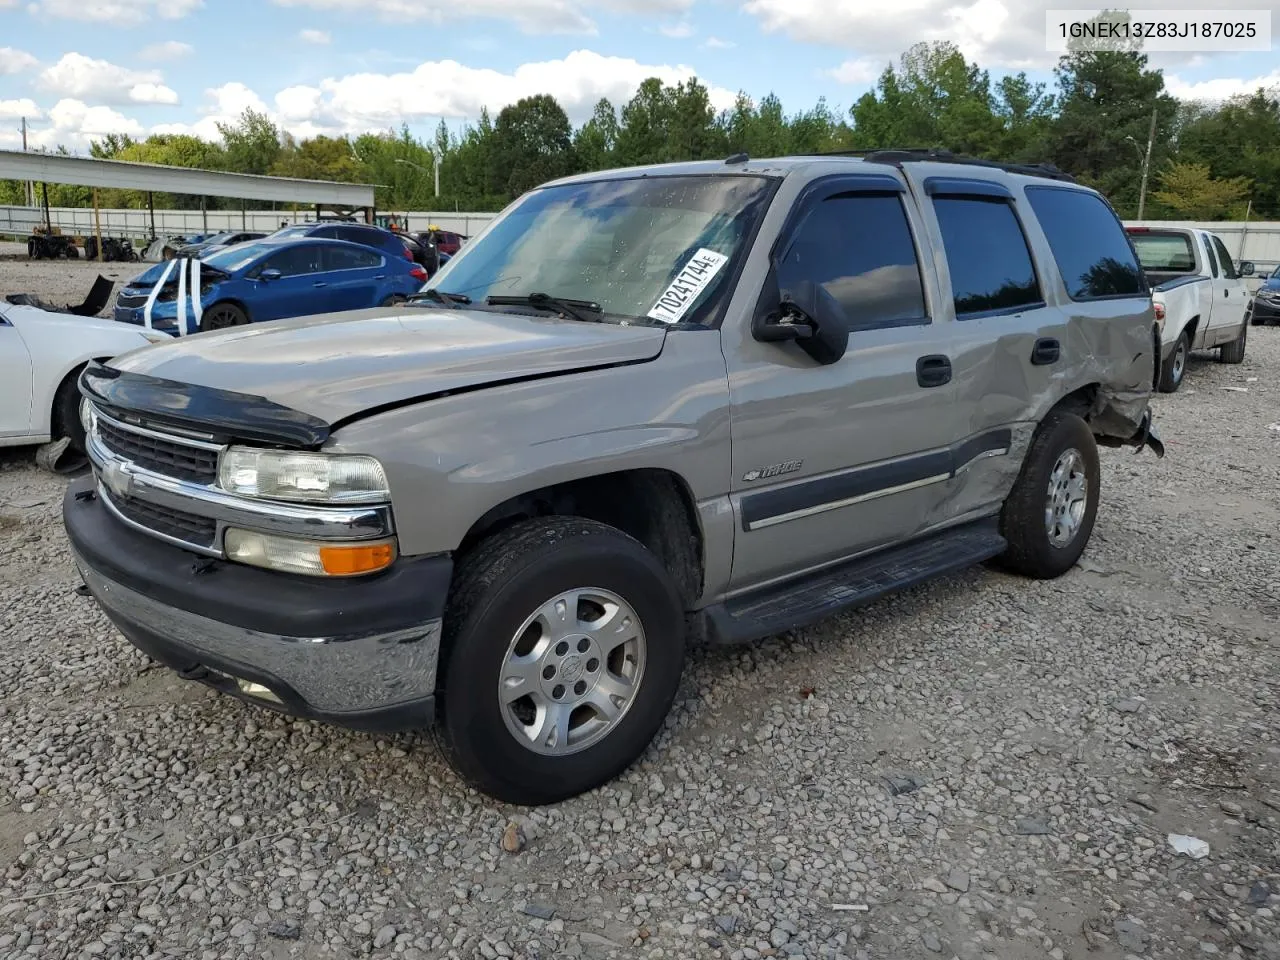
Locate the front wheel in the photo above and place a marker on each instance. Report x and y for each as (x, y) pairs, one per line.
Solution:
(1171, 373)
(221, 316)
(1048, 517)
(562, 652)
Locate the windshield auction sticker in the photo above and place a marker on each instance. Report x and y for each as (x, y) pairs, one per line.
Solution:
(689, 282)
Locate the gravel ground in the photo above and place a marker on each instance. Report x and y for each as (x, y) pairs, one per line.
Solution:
(58, 281)
(983, 767)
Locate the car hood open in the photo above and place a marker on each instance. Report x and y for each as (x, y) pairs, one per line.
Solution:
(336, 367)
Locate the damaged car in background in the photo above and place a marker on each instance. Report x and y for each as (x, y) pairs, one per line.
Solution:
(43, 349)
(265, 279)
(698, 402)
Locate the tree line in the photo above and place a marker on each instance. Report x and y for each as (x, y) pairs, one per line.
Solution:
(1208, 160)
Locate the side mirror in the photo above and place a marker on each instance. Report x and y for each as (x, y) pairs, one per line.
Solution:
(268, 275)
(1246, 268)
(811, 317)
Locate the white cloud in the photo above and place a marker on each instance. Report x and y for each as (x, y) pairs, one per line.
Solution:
(169, 50)
(996, 33)
(677, 31)
(17, 109)
(15, 61)
(72, 124)
(530, 16)
(446, 88)
(861, 71)
(119, 12)
(715, 43)
(84, 78)
(1220, 88)
(223, 104)
(315, 36)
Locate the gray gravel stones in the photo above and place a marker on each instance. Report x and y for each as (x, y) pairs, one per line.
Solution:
(161, 820)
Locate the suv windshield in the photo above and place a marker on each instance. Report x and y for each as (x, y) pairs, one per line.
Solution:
(622, 244)
(1164, 252)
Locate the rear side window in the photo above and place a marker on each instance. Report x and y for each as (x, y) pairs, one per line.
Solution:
(1228, 265)
(987, 256)
(1089, 244)
(350, 258)
(1208, 256)
(859, 247)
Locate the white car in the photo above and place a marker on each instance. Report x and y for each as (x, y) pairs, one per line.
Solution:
(1200, 298)
(41, 355)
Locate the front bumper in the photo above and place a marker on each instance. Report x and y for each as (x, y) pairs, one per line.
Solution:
(359, 653)
(1265, 311)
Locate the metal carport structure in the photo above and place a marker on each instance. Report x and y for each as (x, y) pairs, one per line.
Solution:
(150, 177)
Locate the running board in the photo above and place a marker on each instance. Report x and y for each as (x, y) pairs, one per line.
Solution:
(806, 600)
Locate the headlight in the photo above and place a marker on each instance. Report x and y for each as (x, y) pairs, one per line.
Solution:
(305, 477)
(309, 557)
(86, 415)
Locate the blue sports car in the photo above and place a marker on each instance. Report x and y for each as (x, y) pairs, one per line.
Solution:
(269, 279)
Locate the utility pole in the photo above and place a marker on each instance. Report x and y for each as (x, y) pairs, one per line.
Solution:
(1146, 166)
(28, 188)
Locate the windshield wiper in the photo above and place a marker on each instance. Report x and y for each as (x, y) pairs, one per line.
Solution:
(439, 296)
(584, 310)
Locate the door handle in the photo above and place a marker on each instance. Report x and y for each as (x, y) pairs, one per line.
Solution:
(320, 283)
(933, 370)
(1045, 351)
(379, 276)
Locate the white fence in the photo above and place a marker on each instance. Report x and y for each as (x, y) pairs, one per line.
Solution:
(136, 224)
(1258, 241)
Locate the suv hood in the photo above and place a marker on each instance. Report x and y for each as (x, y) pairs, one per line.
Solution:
(336, 366)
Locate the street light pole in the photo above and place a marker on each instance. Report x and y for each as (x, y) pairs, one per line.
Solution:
(1146, 166)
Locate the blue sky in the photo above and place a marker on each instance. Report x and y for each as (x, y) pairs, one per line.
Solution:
(81, 68)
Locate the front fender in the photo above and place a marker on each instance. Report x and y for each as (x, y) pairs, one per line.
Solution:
(451, 460)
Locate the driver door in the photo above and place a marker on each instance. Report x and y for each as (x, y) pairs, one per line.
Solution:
(833, 460)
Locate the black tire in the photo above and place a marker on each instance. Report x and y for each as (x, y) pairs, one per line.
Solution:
(1171, 373)
(1233, 352)
(66, 411)
(73, 252)
(1024, 521)
(496, 588)
(221, 316)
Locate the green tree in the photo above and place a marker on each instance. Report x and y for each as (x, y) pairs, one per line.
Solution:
(1190, 191)
(1238, 138)
(645, 124)
(595, 141)
(251, 144)
(532, 143)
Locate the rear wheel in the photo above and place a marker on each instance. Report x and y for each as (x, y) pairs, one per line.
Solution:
(221, 316)
(1233, 352)
(1048, 517)
(1171, 373)
(563, 647)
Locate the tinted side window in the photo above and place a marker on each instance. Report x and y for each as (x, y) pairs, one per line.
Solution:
(1088, 243)
(859, 247)
(1209, 257)
(1228, 265)
(987, 254)
(350, 258)
(297, 261)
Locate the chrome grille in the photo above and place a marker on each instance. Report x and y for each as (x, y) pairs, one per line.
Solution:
(187, 527)
(131, 299)
(167, 457)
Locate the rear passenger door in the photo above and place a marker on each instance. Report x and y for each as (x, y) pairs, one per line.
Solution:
(834, 460)
(1007, 344)
(354, 275)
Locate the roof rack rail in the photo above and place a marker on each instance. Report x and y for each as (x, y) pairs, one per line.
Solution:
(900, 155)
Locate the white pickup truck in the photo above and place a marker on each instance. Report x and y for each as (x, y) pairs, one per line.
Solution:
(1200, 297)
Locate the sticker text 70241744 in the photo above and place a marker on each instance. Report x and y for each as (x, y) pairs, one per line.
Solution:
(689, 282)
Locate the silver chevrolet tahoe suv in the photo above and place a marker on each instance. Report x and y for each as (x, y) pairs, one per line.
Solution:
(700, 402)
